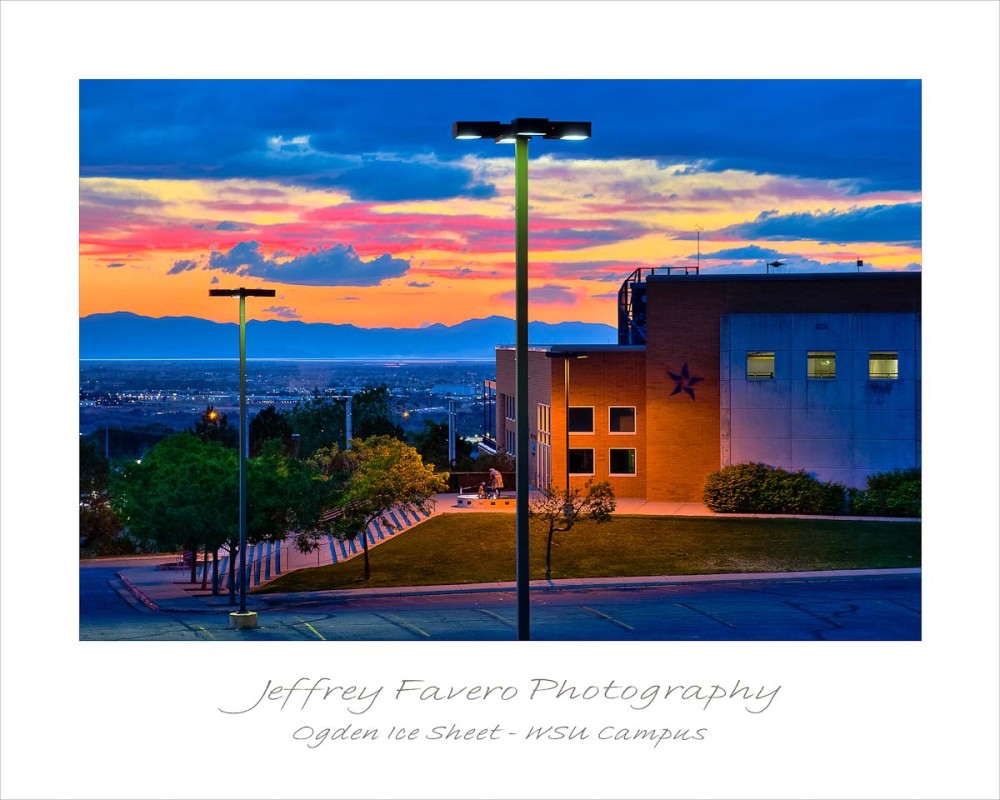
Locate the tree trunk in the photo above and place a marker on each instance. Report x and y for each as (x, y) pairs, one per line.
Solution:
(548, 555)
(215, 573)
(204, 570)
(364, 543)
(194, 562)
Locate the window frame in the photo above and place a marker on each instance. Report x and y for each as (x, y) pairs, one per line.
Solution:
(817, 354)
(635, 463)
(544, 423)
(593, 464)
(889, 355)
(635, 422)
(761, 353)
(510, 407)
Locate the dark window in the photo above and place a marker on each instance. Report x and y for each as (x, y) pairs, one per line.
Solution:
(622, 419)
(622, 461)
(581, 461)
(581, 420)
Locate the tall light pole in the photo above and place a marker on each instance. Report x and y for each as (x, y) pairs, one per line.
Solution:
(243, 618)
(519, 131)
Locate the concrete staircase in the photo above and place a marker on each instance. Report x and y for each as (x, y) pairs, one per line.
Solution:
(268, 560)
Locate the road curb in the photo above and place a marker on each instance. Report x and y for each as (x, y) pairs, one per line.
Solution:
(303, 598)
(140, 595)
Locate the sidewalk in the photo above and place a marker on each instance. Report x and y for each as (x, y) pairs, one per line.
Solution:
(161, 589)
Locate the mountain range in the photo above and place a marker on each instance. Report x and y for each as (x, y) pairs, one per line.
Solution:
(123, 335)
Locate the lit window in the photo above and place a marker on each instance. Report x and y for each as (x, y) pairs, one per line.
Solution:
(621, 419)
(621, 461)
(883, 366)
(760, 365)
(822, 365)
(544, 424)
(581, 461)
(581, 419)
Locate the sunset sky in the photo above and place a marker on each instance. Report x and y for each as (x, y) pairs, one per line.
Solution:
(352, 201)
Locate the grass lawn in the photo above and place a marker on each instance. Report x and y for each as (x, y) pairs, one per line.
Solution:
(479, 548)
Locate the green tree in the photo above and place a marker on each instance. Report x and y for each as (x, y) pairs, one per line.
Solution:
(558, 510)
(382, 473)
(214, 427)
(95, 470)
(269, 424)
(283, 495)
(320, 422)
(372, 414)
(432, 444)
(184, 493)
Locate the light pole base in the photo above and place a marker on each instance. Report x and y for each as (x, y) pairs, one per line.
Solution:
(240, 621)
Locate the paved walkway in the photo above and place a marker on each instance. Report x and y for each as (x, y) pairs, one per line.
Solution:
(162, 587)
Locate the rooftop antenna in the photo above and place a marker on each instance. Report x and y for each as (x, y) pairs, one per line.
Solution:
(698, 230)
(861, 263)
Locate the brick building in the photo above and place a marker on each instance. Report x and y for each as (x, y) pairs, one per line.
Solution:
(819, 372)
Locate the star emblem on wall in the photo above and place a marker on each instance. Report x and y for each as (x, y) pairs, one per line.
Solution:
(685, 380)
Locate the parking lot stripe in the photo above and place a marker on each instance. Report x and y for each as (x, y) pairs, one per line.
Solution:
(609, 618)
(403, 624)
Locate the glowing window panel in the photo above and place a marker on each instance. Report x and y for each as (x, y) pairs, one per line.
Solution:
(821, 365)
(883, 366)
(760, 365)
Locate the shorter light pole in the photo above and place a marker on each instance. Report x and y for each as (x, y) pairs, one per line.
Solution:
(243, 618)
(566, 356)
(699, 229)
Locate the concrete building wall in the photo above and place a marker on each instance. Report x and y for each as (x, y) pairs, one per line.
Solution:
(684, 330)
(839, 429)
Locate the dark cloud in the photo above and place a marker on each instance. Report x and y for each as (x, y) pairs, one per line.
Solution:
(283, 312)
(228, 225)
(315, 132)
(549, 295)
(898, 224)
(116, 264)
(419, 285)
(339, 265)
(185, 265)
(749, 252)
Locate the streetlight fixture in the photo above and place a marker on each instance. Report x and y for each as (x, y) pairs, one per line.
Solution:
(567, 356)
(519, 131)
(243, 618)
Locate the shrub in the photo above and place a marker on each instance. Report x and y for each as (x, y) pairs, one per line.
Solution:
(889, 494)
(757, 488)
